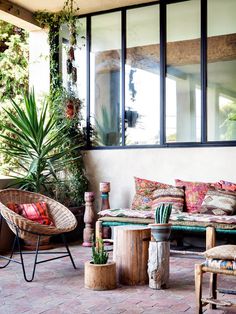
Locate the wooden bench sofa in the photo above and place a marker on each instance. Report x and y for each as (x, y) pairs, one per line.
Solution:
(184, 223)
(209, 224)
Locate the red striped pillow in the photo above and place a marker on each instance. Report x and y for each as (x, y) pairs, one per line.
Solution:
(172, 195)
(37, 212)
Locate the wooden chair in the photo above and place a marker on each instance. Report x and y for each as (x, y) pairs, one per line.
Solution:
(219, 260)
(64, 221)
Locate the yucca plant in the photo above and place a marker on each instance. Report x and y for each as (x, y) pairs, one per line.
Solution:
(99, 255)
(162, 213)
(39, 149)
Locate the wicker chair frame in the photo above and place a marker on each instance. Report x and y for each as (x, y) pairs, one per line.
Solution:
(64, 221)
(212, 300)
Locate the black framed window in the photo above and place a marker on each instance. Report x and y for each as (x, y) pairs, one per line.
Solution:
(161, 79)
(221, 57)
(142, 76)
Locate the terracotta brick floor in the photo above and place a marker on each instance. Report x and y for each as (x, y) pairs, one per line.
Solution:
(58, 288)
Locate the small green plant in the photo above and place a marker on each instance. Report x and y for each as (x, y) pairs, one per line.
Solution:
(162, 213)
(99, 255)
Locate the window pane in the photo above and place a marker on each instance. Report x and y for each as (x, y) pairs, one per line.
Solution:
(183, 100)
(221, 54)
(105, 78)
(142, 77)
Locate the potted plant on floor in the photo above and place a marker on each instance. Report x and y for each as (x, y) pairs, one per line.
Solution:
(161, 229)
(99, 274)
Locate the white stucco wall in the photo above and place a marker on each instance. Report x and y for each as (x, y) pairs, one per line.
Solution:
(39, 69)
(161, 164)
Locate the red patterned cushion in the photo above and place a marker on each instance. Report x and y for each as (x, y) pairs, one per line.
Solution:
(14, 207)
(173, 195)
(37, 212)
(194, 194)
(229, 186)
(143, 196)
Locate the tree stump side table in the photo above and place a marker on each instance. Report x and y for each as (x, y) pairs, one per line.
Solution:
(131, 254)
(158, 264)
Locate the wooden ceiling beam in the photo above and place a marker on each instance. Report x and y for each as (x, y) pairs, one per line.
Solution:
(15, 14)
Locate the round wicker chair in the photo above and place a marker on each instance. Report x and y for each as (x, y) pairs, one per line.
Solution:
(63, 219)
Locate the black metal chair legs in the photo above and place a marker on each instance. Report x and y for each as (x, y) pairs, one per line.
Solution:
(36, 253)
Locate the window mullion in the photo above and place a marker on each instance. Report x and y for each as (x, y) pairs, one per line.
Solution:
(123, 61)
(204, 71)
(162, 73)
(88, 49)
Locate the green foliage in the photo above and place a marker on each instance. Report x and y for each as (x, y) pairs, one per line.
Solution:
(227, 116)
(71, 187)
(67, 15)
(39, 149)
(13, 75)
(13, 62)
(70, 191)
(162, 213)
(99, 255)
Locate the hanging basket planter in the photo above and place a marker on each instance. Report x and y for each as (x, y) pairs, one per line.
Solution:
(71, 54)
(70, 109)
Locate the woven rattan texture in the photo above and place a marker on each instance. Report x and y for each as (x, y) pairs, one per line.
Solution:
(62, 217)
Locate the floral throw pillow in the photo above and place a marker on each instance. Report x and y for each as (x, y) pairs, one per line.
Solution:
(173, 195)
(219, 202)
(143, 196)
(194, 194)
(37, 212)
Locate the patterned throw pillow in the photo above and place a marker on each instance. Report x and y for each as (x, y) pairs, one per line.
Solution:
(229, 186)
(219, 202)
(14, 207)
(174, 195)
(37, 212)
(194, 194)
(143, 196)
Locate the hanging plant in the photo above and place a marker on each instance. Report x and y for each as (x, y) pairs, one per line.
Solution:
(64, 104)
(67, 15)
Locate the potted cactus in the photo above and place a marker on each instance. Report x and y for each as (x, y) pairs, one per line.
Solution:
(161, 228)
(99, 273)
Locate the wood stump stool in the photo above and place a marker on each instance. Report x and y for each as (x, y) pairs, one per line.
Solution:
(131, 254)
(158, 264)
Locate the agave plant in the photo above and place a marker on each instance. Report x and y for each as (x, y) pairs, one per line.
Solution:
(99, 255)
(162, 214)
(39, 148)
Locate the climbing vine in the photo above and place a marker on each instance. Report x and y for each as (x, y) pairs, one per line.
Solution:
(64, 102)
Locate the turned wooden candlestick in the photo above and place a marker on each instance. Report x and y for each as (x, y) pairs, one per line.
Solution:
(105, 189)
(89, 219)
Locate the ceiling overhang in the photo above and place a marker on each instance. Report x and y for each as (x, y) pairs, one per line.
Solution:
(20, 12)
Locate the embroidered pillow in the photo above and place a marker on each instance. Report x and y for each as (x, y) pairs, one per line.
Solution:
(174, 195)
(219, 202)
(14, 207)
(229, 186)
(143, 196)
(37, 212)
(194, 194)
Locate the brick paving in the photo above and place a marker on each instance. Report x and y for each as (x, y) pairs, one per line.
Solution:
(58, 288)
